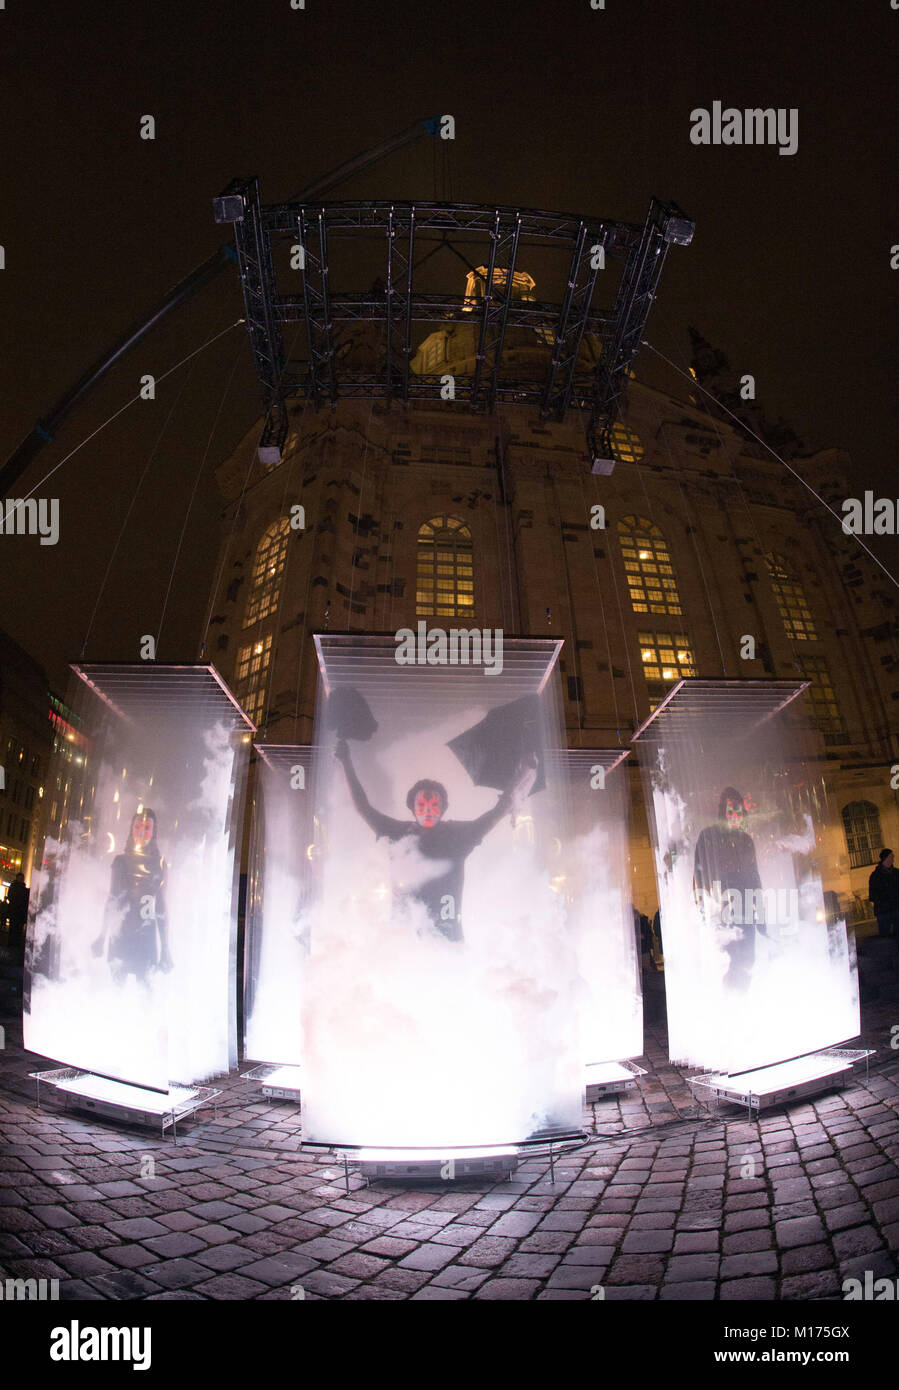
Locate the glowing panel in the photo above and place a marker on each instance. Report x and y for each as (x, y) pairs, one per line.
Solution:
(754, 971)
(440, 992)
(283, 867)
(130, 961)
(596, 891)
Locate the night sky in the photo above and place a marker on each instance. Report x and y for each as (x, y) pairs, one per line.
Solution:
(557, 106)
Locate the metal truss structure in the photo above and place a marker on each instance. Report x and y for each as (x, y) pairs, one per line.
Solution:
(411, 233)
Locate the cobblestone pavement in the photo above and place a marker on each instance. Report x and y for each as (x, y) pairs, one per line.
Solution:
(663, 1202)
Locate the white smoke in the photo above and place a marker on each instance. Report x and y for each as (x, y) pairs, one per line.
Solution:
(169, 1026)
(412, 1039)
(802, 992)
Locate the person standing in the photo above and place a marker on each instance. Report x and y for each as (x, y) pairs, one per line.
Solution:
(726, 886)
(17, 899)
(883, 891)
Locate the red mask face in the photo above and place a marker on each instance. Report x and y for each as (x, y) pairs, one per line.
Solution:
(734, 814)
(142, 830)
(427, 809)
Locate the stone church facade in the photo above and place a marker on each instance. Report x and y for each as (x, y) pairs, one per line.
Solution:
(697, 540)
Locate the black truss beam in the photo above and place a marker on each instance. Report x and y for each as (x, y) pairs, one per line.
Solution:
(665, 223)
(548, 227)
(412, 232)
(574, 320)
(433, 308)
(361, 387)
(313, 239)
(398, 314)
(257, 278)
(504, 238)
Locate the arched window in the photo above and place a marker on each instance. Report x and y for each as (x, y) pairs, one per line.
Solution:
(791, 601)
(650, 574)
(251, 676)
(444, 583)
(268, 573)
(861, 822)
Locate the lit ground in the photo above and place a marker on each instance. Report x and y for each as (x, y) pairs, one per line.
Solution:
(661, 1203)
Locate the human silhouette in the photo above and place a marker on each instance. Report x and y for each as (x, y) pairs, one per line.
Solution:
(445, 843)
(724, 868)
(135, 931)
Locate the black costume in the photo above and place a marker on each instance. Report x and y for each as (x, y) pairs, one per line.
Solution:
(135, 915)
(883, 891)
(445, 840)
(725, 863)
(17, 901)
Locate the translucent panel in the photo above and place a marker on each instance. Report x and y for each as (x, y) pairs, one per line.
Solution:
(130, 966)
(440, 995)
(596, 889)
(284, 857)
(754, 973)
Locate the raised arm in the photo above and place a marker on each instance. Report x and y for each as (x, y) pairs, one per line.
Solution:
(380, 824)
(489, 819)
(510, 800)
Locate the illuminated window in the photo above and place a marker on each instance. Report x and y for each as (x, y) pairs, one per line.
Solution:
(268, 573)
(626, 446)
(647, 563)
(251, 674)
(445, 579)
(825, 710)
(861, 822)
(791, 601)
(432, 354)
(666, 659)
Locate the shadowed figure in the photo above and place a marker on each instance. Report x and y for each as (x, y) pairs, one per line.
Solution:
(724, 868)
(135, 932)
(445, 843)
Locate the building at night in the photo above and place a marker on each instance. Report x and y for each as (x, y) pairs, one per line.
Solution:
(379, 515)
(26, 741)
(38, 793)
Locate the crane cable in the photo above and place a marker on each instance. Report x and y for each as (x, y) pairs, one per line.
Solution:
(798, 476)
(19, 501)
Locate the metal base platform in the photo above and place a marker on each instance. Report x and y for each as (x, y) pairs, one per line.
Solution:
(278, 1080)
(795, 1079)
(128, 1104)
(496, 1167)
(495, 1162)
(610, 1078)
